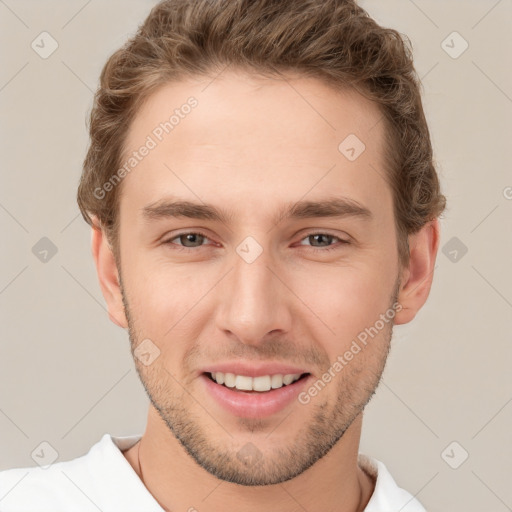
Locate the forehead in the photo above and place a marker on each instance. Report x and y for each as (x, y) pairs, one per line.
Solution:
(255, 142)
(302, 108)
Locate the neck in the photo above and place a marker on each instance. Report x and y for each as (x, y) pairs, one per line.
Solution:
(177, 482)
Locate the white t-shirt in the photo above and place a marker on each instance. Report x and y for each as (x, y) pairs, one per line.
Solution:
(103, 480)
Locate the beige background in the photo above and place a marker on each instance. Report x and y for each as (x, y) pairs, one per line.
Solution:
(66, 374)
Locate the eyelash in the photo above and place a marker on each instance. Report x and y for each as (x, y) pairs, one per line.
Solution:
(315, 249)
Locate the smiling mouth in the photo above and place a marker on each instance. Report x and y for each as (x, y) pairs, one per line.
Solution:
(257, 385)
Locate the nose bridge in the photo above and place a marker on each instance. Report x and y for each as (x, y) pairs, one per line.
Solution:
(252, 302)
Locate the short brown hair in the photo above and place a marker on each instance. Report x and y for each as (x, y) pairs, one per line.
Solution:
(333, 40)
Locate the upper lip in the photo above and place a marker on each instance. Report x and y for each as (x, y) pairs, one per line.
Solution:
(254, 369)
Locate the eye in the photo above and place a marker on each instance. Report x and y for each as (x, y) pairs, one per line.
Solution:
(195, 239)
(325, 238)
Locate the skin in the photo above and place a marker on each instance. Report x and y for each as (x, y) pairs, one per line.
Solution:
(254, 144)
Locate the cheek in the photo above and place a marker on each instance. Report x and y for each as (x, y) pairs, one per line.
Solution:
(160, 300)
(346, 299)
(167, 301)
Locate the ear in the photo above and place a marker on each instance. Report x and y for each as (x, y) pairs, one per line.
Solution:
(417, 278)
(108, 276)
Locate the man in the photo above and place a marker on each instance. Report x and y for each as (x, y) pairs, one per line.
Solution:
(264, 209)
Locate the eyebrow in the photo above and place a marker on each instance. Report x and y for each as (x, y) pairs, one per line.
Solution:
(338, 207)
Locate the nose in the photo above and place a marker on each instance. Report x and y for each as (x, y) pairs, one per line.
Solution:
(253, 301)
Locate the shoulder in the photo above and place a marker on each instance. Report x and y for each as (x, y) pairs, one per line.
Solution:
(35, 488)
(387, 496)
(69, 485)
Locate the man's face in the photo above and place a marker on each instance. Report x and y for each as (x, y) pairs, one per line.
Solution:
(259, 287)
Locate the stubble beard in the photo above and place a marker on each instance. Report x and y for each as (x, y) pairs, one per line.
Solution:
(270, 461)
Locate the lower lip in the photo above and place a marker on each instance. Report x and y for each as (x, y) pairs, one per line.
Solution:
(254, 405)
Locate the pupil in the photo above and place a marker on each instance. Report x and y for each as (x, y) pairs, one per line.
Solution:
(190, 237)
(321, 236)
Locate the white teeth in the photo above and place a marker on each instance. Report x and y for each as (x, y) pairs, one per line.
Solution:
(262, 383)
(277, 381)
(243, 383)
(288, 379)
(229, 379)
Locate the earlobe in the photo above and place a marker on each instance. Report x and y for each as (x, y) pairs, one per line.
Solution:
(418, 277)
(108, 276)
